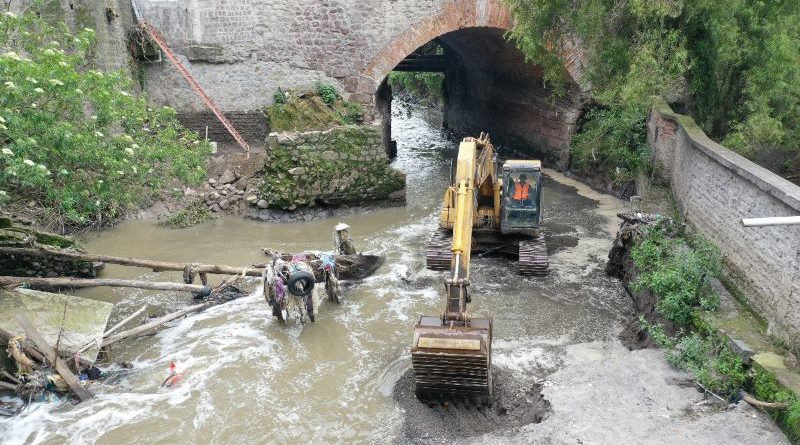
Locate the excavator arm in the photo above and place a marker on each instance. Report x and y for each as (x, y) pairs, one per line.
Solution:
(458, 281)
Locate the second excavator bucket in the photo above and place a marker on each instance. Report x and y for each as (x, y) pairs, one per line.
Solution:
(451, 362)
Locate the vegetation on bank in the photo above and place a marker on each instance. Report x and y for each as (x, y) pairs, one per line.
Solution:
(194, 213)
(678, 269)
(426, 88)
(320, 109)
(733, 66)
(74, 139)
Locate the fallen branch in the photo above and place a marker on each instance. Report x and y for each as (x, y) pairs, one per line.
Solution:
(9, 376)
(45, 283)
(111, 331)
(8, 386)
(765, 405)
(52, 357)
(157, 322)
(155, 266)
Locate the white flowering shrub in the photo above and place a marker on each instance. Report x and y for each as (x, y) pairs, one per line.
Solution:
(73, 138)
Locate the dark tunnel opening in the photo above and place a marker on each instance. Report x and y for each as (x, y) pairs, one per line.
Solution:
(489, 87)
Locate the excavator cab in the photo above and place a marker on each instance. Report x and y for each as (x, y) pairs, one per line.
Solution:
(522, 197)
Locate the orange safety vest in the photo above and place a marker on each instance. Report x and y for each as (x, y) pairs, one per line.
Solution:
(521, 191)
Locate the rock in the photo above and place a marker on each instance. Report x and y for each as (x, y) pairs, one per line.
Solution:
(223, 192)
(52, 274)
(252, 199)
(297, 171)
(742, 349)
(240, 192)
(227, 177)
(262, 204)
(189, 192)
(215, 208)
(328, 155)
(224, 204)
(212, 181)
(399, 195)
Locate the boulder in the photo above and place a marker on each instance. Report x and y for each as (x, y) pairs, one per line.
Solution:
(227, 177)
(262, 204)
(224, 204)
(297, 171)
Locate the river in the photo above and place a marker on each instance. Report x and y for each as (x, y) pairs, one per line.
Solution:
(250, 379)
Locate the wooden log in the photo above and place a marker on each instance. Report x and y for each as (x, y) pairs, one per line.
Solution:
(52, 357)
(8, 386)
(155, 266)
(765, 405)
(47, 283)
(112, 330)
(157, 322)
(9, 376)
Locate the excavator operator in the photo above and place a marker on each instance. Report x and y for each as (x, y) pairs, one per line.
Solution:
(522, 191)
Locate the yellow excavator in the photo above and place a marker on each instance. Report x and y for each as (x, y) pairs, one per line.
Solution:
(451, 354)
(506, 213)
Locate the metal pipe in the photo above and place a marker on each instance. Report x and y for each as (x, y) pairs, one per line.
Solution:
(771, 221)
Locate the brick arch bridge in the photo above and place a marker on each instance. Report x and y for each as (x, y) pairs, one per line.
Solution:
(242, 51)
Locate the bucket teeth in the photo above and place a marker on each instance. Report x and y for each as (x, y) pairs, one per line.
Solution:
(452, 374)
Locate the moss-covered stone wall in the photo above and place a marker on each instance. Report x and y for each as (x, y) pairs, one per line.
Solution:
(34, 266)
(345, 164)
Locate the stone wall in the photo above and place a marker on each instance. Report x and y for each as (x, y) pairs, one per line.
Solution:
(341, 165)
(715, 188)
(252, 125)
(112, 21)
(16, 236)
(242, 51)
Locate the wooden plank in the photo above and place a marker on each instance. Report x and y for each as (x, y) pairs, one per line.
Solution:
(156, 266)
(52, 357)
(39, 283)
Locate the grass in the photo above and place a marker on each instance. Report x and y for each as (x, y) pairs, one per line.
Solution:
(195, 213)
(319, 110)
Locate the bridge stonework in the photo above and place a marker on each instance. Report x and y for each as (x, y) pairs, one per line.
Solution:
(242, 51)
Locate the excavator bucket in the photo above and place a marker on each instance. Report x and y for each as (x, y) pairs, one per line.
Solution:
(453, 362)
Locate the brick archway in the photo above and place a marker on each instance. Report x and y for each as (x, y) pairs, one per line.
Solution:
(455, 15)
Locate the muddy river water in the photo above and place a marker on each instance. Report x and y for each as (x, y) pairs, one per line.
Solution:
(249, 379)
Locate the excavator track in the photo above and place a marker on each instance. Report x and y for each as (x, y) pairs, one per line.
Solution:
(437, 254)
(533, 257)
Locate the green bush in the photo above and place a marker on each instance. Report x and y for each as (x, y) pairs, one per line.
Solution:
(735, 65)
(426, 87)
(328, 93)
(612, 140)
(311, 111)
(73, 138)
(678, 272)
(279, 97)
(706, 356)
